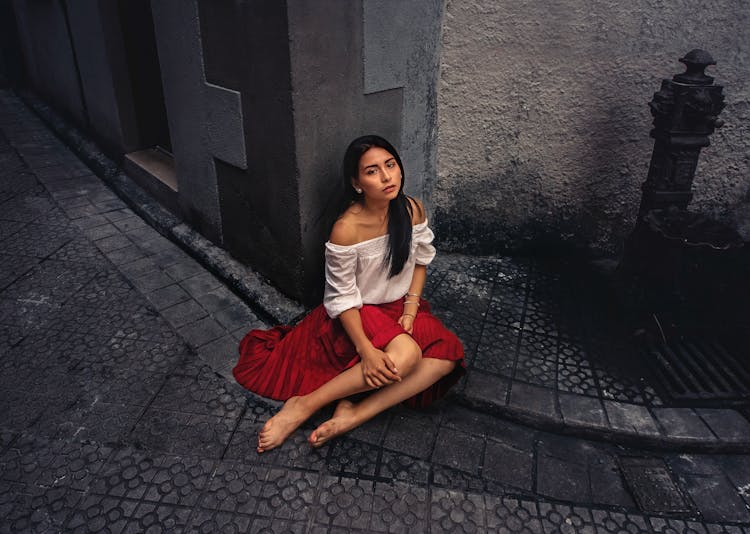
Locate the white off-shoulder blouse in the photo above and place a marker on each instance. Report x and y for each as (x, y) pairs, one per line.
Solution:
(355, 274)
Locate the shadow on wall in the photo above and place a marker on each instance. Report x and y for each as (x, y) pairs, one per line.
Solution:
(544, 124)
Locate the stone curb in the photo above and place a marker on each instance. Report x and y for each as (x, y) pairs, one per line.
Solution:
(257, 292)
(719, 430)
(669, 429)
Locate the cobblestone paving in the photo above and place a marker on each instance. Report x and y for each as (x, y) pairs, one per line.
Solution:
(548, 335)
(118, 414)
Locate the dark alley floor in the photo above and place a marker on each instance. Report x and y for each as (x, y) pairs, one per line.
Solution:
(119, 412)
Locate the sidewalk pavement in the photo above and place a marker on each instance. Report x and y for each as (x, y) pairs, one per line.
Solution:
(120, 413)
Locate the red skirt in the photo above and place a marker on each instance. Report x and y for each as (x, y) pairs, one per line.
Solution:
(286, 361)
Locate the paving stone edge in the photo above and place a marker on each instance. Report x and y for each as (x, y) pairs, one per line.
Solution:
(550, 423)
(255, 290)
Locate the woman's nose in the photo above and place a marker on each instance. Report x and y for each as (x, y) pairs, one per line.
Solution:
(386, 174)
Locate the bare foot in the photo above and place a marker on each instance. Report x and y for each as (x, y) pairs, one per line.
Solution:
(343, 420)
(281, 425)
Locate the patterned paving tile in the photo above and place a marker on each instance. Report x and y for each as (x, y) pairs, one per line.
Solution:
(454, 511)
(345, 503)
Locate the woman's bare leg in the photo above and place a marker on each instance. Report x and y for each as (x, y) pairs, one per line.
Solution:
(348, 415)
(403, 351)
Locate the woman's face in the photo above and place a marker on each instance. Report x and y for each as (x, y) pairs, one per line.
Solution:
(379, 176)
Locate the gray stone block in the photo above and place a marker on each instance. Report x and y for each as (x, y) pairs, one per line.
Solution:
(608, 487)
(488, 388)
(583, 411)
(119, 215)
(561, 479)
(631, 418)
(125, 255)
(533, 399)
(202, 331)
(183, 269)
(138, 268)
(167, 296)
(695, 464)
(216, 299)
(237, 315)
(90, 222)
(458, 450)
(683, 423)
(115, 242)
(508, 466)
(147, 238)
(184, 313)
(728, 425)
(151, 281)
(411, 435)
(716, 498)
(128, 224)
(200, 284)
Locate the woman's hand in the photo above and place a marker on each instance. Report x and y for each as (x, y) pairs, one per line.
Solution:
(407, 323)
(378, 369)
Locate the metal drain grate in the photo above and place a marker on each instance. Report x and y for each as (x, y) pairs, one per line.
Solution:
(699, 370)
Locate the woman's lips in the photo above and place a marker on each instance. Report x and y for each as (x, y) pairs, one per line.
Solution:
(389, 188)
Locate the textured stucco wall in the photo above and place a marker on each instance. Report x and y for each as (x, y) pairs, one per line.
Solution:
(543, 117)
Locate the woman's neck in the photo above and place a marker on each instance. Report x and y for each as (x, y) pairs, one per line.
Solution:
(378, 210)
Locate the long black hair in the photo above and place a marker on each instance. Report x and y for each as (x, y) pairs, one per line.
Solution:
(399, 209)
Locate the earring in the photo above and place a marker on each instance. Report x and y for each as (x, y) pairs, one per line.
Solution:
(358, 190)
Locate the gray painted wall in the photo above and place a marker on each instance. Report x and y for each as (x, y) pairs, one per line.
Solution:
(191, 112)
(358, 67)
(543, 117)
(402, 50)
(246, 46)
(49, 55)
(96, 39)
(258, 142)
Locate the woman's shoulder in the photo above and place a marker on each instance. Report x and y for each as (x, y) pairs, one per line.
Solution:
(344, 232)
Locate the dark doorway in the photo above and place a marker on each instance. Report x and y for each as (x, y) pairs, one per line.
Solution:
(145, 74)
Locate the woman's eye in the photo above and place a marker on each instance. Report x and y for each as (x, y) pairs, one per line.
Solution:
(391, 164)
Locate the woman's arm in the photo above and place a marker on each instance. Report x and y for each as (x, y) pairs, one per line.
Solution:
(411, 300)
(377, 368)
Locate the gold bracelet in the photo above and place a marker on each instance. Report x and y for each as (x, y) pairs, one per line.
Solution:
(411, 302)
(412, 295)
(410, 315)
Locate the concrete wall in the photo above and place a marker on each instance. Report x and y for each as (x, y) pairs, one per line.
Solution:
(205, 120)
(49, 55)
(261, 100)
(402, 50)
(356, 68)
(543, 117)
(247, 47)
(74, 56)
(97, 40)
(313, 76)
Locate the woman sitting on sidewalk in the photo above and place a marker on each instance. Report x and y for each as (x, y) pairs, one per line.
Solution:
(373, 330)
